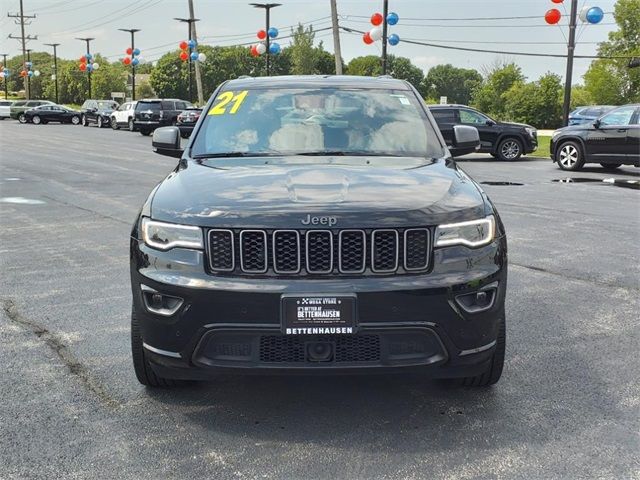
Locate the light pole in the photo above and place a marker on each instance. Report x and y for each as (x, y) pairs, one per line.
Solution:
(6, 86)
(267, 7)
(132, 31)
(189, 22)
(28, 77)
(566, 105)
(55, 66)
(88, 41)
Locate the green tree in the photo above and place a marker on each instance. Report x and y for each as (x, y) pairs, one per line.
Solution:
(170, 76)
(457, 84)
(537, 103)
(368, 65)
(489, 96)
(306, 58)
(402, 68)
(144, 90)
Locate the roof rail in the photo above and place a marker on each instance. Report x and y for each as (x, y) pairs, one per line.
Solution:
(385, 76)
(244, 76)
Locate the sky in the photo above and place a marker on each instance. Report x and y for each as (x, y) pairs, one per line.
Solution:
(459, 23)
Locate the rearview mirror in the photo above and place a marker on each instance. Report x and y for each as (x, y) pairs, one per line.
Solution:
(465, 139)
(166, 141)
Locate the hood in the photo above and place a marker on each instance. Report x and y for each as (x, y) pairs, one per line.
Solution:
(282, 196)
(515, 125)
(574, 128)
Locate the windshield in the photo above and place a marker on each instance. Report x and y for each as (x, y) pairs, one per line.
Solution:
(315, 122)
(104, 104)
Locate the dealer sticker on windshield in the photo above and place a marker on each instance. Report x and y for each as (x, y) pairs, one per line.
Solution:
(318, 315)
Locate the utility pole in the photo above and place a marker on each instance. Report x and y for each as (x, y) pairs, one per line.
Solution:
(189, 22)
(28, 77)
(198, 76)
(337, 52)
(385, 12)
(132, 31)
(573, 20)
(23, 38)
(267, 7)
(55, 66)
(88, 41)
(6, 86)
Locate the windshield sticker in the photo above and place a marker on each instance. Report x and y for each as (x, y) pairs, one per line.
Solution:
(402, 99)
(221, 103)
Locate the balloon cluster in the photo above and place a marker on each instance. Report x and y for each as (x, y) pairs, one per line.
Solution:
(194, 55)
(87, 63)
(588, 14)
(5, 72)
(260, 48)
(133, 57)
(375, 33)
(28, 72)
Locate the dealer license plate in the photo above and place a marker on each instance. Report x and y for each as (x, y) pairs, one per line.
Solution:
(318, 314)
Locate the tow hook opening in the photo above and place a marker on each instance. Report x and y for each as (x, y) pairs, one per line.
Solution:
(320, 351)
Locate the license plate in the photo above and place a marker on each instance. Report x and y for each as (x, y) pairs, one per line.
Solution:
(318, 314)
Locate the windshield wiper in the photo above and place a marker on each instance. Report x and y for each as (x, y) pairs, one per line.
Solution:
(233, 154)
(346, 153)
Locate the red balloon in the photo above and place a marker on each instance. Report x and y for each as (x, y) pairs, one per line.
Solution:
(376, 19)
(126, 60)
(557, 1)
(83, 66)
(254, 50)
(129, 51)
(23, 73)
(367, 38)
(262, 34)
(553, 16)
(183, 45)
(184, 56)
(83, 59)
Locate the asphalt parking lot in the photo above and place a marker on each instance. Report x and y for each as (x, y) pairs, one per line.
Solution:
(568, 404)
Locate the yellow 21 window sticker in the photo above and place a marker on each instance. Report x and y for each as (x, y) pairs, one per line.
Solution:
(223, 100)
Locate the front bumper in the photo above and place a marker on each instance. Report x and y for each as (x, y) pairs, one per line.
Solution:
(405, 322)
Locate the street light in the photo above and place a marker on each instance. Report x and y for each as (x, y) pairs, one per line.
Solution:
(132, 31)
(267, 7)
(189, 21)
(55, 66)
(87, 40)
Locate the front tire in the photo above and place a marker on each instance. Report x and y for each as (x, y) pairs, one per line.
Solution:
(146, 133)
(114, 124)
(84, 121)
(22, 118)
(131, 125)
(75, 120)
(509, 150)
(494, 371)
(141, 365)
(100, 124)
(611, 166)
(36, 120)
(569, 156)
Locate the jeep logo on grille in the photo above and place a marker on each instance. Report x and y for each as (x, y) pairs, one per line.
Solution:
(309, 220)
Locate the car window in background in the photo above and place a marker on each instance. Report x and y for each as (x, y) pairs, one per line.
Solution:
(153, 106)
(619, 116)
(469, 116)
(20, 103)
(444, 116)
(167, 105)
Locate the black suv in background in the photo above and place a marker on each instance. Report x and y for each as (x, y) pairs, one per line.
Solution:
(153, 113)
(98, 112)
(503, 140)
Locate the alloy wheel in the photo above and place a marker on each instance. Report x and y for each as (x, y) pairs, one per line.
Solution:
(22, 118)
(510, 150)
(75, 120)
(36, 120)
(569, 156)
(99, 122)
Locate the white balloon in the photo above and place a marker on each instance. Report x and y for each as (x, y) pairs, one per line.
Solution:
(141, 60)
(376, 33)
(96, 66)
(261, 48)
(53, 77)
(202, 57)
(1, 74)
(583, 13)
(37, 73)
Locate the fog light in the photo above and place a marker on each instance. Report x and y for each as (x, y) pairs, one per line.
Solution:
(158, 303)
(479, 301)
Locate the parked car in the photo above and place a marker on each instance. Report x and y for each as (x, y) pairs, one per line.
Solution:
(52, 113)
(123, 116)
(503, 140)
(588, 114)
(611, 140)
(317, 224)
(153, 113)
(18, 108)
(187, 120)
(98, 112)
(5, 108)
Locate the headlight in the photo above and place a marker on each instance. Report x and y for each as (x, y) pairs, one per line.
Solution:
(531, 131)
(474, 233)
(165, 236)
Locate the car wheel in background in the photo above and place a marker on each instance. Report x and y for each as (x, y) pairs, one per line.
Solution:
(84, 121)
(100, 122)
(569, 156)
(75, 120)
(146, 133)
(509, 149)
(611, 166)
(22, 118)
(114, 124)
(36, 119)
(132, 127)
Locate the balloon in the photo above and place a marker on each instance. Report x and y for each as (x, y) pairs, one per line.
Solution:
(83, 59)
(53, 77)
(191, 44)
(194, 56)
(23, 73)
(376, 19)
(366, 38)
(376, 34)
(274, 48)
(30, 73)
(583, 14)
(126, 60)
(83, 66)
(135, 61)
(553, 16)
(2, 74)
(261, 48)
(89, 67)
(184, 56)
(136, 51)
(129, 51)
(37, 73)
(89, 56)
(557, 1)
(273, 32)
(394, 39)
(262, 34)
(392, 18)
(29, 64)
(254, 50)
(141, 60)
(595, 15)
(183, 45)
(202, 57)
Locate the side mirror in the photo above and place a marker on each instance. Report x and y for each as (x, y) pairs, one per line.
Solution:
(166, 141)
(465, 139)
(490, 123)
(597, 123)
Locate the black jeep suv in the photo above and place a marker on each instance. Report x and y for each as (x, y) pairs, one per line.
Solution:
(153, 113)
(98, 112)
(503, 140)
(317, 224)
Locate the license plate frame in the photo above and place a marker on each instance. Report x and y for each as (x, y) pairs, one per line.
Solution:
(340, 314)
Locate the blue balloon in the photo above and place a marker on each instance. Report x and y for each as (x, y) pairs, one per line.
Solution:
(194, 56)
(88, 56)
(273, 32)
(30, 73)
(135, 62)
(28, 64)
(595, 15)
(394, 39)
(6, 71)
(392, 18)
(274, 48)
(192, 43)
(136, 51)
(89, 67)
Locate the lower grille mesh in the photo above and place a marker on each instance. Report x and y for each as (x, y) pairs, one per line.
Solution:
(292, 349)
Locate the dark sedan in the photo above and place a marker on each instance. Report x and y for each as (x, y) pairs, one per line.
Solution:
(187, 120)
(52, 113)
(612, 140)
